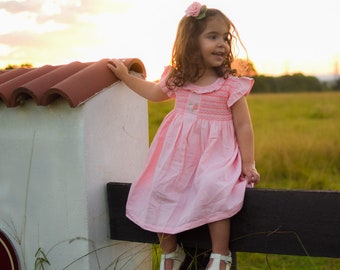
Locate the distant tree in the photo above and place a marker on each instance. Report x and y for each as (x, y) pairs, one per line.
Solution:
(25, 65)
(336, 85)
(244, 67)
(287, 83)
(264, 84)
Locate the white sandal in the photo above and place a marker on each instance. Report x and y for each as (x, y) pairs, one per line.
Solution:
(177, 256)
(217, 258)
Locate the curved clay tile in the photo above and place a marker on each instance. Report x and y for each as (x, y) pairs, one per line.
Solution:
(7, 75)
(83, 85)
(37, 87)
(76, 82)
(8, 88)
(136, 65)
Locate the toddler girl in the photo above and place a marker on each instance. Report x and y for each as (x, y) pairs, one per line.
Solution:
(202, 157)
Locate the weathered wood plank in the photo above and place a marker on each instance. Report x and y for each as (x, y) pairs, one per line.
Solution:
(291, 222)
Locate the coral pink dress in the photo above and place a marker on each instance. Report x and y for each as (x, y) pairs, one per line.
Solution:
(192, 175)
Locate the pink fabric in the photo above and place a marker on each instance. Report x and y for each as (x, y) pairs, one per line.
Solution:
(192, 175)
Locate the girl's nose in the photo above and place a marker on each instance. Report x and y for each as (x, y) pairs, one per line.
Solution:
(221, 42)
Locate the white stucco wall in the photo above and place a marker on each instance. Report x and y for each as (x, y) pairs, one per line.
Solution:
(55, 162)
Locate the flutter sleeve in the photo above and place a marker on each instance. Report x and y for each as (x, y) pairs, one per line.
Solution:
(239, 87)
(162, 82)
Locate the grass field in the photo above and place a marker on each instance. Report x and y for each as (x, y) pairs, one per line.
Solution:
(297, 142)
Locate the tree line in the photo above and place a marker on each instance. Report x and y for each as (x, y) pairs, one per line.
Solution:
(282, 84)
(267, 84)
(10, 66)
(289, 84)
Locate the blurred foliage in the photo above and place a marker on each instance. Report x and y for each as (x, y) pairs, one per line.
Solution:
(336, 85)
(244, 67)
(287, 84)
(297, 82)
(10, 66)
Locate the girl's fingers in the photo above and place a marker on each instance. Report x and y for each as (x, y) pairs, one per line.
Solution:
(253, 178)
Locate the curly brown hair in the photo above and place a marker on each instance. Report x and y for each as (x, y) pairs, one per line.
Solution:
(186, 61)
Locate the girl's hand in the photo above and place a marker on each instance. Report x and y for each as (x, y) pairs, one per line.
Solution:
(251, 174)
(149, 90)
(118, 68)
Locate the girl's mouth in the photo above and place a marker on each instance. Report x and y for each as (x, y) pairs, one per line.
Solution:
(219, 55)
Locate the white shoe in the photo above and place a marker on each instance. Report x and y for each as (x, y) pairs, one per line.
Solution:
(217, 258)
(177, 256)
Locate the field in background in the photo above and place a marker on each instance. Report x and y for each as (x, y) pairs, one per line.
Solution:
(297, 141)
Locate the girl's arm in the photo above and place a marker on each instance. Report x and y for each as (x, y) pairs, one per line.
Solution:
(149, 90)
(245, 137)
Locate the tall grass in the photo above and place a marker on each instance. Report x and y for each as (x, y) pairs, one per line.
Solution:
(297, 140)
(297, 143)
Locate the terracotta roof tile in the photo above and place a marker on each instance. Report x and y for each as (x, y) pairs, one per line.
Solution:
(76, 82)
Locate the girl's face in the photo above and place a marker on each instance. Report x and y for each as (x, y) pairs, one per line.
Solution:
(214, 42)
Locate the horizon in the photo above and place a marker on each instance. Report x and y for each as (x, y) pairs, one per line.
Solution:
(320, 77)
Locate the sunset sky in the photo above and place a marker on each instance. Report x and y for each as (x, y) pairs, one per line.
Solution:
(280, 36)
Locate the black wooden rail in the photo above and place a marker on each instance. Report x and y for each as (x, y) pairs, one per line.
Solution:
(290, 222)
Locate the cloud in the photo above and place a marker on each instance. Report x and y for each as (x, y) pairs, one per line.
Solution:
(20, 6)
(35, 27)
(56, 32)
(47, 42)
(62, 12)
(49, 48)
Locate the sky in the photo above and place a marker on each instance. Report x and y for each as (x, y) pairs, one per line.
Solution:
(281, 37)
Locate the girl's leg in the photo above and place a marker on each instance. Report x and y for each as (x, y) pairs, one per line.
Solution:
(220, 233)
(168, 243)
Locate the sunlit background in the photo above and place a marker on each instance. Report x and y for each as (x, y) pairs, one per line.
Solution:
(282, 37)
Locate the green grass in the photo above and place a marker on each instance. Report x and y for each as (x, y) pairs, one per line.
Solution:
(297, 140)
(297, 143)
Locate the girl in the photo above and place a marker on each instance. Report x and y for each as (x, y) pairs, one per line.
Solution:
(202, 157)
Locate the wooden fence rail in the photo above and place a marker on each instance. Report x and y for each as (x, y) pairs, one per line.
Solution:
(291, 222)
